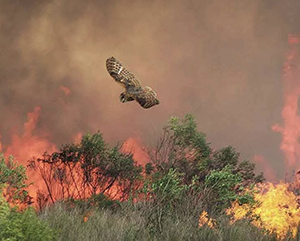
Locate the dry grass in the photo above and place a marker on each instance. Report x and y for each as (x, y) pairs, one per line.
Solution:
(132, 224)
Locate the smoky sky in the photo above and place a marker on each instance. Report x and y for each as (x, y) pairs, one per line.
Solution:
(219, 60)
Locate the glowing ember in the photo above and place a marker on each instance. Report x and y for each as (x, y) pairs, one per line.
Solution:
(278, 210)
(86, 216)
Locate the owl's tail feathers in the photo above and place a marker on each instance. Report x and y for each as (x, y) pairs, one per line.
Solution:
(148, 89)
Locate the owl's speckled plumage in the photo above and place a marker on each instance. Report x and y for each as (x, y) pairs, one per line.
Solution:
(146, 97)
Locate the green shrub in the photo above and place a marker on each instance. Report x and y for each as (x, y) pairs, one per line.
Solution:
(224, 187)
(14, 223)
(13, 181)
(22, 225)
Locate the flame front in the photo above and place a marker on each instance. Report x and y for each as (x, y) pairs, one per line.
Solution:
(278, 210)
(27, 145)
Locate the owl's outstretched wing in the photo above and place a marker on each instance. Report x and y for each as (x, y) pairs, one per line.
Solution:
(147, 98)
(121, 74)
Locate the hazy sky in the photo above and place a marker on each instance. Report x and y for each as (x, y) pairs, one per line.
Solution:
(219, 60)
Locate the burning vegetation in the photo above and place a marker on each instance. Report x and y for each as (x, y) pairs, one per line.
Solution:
(181, 183)
(181, 178)
(276, 207)
(277, 210)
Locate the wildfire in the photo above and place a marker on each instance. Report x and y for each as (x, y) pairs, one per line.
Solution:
(291, 121)
(28, 145)
(204, 219)
(139, 154)
(278, 210)
(86, 216)
(32, 143)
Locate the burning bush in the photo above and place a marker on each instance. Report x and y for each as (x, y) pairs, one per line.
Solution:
(79, 171)
(216, 177)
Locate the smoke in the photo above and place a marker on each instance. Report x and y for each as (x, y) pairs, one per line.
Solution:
(220, 60)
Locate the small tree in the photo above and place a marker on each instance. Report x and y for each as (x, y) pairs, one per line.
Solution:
(181, 147)
(90, 168)
(163, 194)
(16, 224)
(214, 177)
(13, 181)
(222, 188)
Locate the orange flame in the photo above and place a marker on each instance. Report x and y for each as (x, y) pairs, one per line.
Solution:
(86, 216)
(27, 145)
(204, 219)
(134, 145)
(291, 120)
(278, 210)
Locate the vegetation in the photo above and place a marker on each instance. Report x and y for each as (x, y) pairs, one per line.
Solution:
(13, 181)
(85, 170)
(103, 224)
(96, 192)
(14, 223)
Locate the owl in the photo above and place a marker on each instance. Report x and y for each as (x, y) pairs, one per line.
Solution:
(146, 97)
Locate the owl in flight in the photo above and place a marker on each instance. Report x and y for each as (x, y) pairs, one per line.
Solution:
(146, 97)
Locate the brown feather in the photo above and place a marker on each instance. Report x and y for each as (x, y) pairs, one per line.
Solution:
(146, 97)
